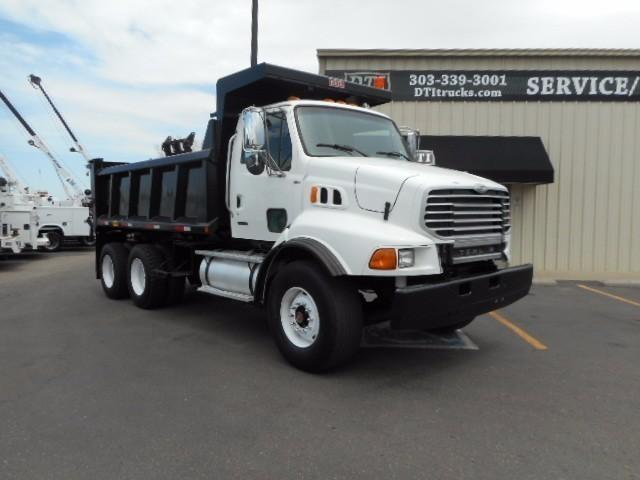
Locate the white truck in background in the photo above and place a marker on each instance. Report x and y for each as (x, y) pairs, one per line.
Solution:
(18, 220)
(307, 203)
(59, 221)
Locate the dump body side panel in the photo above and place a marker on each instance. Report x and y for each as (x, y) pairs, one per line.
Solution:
(176, 193)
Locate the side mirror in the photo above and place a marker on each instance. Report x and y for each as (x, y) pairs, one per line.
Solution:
(425, 156)
(254, 130)
(411, 138)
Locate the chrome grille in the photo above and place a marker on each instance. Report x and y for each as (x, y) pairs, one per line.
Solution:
(455, 213)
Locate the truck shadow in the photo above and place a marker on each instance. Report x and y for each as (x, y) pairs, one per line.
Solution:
(243, 325)
(15, 261)
(12, 262)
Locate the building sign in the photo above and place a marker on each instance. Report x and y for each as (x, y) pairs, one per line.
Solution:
(500, 85)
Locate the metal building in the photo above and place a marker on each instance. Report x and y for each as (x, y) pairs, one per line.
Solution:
(583, 104)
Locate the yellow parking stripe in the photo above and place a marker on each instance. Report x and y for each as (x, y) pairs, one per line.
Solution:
(610, 295)
(534, 342)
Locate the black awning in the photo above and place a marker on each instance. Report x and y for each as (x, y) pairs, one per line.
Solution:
(502, 159)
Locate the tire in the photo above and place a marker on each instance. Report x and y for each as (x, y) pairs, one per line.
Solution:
(452, 328)
(113, 270)
(336, 334)
(55, 241)
(147, 288)
(88, 241)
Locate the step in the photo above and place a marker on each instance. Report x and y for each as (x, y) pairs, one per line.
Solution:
(242, 297)
(236, 255)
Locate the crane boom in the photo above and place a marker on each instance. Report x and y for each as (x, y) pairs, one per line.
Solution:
(69, 184)
(36, 82)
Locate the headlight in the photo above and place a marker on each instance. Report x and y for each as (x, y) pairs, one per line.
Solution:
(406, 257)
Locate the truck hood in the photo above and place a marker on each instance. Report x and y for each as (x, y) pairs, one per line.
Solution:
(378, 180)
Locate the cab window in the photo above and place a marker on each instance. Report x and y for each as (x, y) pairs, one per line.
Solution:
(279, 139)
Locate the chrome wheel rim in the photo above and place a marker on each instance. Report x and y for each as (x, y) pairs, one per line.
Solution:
(108, 271)
(299, 317)
(138, 276)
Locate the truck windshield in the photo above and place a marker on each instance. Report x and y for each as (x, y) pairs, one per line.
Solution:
(331, 132)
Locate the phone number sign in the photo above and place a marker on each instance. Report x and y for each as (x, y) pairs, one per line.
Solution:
(503, 85)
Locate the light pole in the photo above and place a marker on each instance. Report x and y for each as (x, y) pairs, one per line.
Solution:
(254, 33)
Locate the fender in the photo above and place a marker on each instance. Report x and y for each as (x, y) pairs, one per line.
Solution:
(51, 226)
(296, 246)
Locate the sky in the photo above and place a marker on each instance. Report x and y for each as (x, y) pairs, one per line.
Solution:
(127, 73)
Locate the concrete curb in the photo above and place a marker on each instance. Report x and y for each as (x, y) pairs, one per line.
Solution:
(545, 281)
(621, 283)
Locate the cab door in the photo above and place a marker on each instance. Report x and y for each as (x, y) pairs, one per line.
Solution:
(264, 195)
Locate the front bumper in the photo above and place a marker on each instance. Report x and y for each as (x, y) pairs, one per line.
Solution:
(444, 304)
(7, 244)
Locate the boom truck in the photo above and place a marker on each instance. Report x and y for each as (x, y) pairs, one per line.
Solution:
(307, 203)
(58, 221)
(19, 218)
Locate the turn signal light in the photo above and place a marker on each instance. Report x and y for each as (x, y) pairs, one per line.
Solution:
(384, 259)
(314, 195)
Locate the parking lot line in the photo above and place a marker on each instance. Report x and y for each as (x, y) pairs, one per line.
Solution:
(610, 295)
(534, 342)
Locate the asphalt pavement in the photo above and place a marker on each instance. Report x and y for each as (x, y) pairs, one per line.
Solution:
(96, 388)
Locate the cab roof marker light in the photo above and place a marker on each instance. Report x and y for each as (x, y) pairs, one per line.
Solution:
(380, 82)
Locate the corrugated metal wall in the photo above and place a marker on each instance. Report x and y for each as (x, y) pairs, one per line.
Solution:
(586, 224)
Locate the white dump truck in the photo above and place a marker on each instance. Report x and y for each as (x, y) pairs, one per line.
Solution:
(307, 203)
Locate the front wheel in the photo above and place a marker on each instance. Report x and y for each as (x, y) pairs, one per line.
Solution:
(315, 319)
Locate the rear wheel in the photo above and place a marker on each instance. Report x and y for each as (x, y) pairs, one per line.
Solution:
(88, 241)
(113, 270)
(315, 319)
(55, 241)
(147, 287)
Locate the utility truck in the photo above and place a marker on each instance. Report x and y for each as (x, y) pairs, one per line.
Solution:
(307, 203)
(19, 220)
(60, 221)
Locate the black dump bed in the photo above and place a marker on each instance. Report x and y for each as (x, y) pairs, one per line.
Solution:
(164, 194)
(185, 192)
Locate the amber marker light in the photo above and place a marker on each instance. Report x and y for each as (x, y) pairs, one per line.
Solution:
(314, 195)
(380, 82)
(384, 259)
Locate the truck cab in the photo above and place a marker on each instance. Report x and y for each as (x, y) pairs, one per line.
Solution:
(343, 176)
(306, 202)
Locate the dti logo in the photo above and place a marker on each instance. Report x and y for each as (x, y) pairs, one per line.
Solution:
(370, 79)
